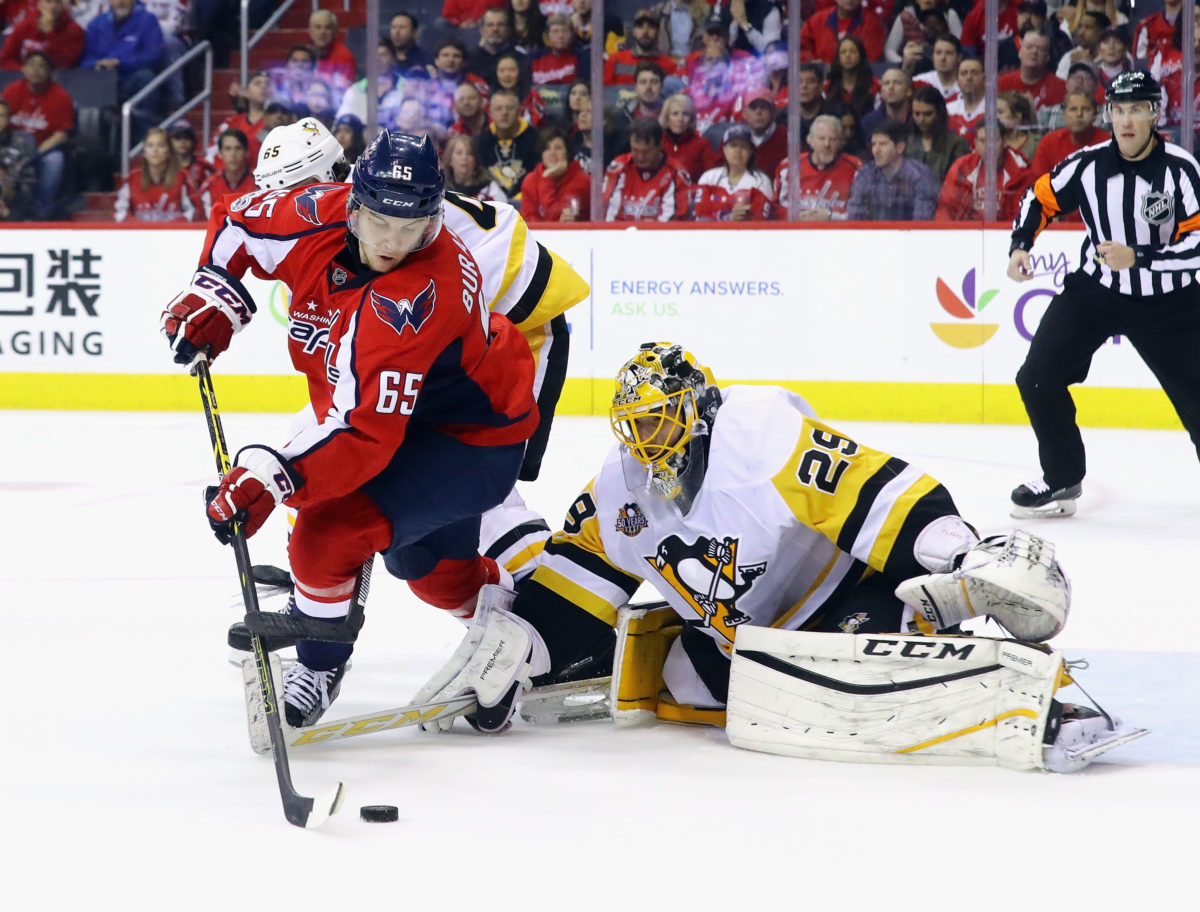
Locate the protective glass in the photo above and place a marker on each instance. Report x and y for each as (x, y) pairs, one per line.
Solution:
(391, 236)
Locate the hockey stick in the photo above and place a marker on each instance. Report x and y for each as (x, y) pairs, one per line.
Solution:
(299, 810)
(342, 730)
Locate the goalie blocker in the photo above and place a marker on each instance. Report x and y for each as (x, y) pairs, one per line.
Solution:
(879, 698)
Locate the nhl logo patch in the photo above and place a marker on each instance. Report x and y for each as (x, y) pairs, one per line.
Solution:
(1157, 207)
(339, 276)
(631, 520)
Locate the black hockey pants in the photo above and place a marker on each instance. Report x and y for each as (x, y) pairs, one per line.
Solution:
(1164, 330)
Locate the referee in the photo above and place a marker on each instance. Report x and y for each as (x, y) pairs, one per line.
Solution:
(1140, 201)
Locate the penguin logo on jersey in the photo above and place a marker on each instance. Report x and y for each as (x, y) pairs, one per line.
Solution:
(1157, 207)
(851, 623)
(631, 520)
(707, 575)
(399, 314)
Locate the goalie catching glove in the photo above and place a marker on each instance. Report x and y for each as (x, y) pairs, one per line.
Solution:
(495, 661)
(1012, 578)
(260, 480)
(204, 317)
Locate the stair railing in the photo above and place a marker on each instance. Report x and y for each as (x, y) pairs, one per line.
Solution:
(248, 40)
(204, 97)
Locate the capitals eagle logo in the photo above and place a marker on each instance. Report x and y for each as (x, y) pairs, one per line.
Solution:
(399, 314)
(306, 205)
(707, 575)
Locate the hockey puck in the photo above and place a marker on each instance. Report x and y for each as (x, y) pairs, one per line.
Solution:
(379, 813)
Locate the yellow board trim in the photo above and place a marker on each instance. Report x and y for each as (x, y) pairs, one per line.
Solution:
(969, 731)
(960, 403)
(150, 392)
(933, 403)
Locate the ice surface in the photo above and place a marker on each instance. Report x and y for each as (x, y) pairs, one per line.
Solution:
(132, 784)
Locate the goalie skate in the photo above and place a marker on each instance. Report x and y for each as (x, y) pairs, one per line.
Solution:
(1084, 735)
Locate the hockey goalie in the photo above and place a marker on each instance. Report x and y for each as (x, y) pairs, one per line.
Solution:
(813, 591)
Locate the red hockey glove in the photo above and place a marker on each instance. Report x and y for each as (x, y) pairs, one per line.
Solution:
(250, 491)
(205, 315)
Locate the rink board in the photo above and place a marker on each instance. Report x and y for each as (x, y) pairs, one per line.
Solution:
(889, 323)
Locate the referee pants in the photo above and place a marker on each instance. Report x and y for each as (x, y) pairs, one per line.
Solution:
(1164, 330)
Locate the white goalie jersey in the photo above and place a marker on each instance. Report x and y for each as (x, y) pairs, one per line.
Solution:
(790, 514)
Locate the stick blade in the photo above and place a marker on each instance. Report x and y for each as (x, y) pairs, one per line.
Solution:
(324, 806)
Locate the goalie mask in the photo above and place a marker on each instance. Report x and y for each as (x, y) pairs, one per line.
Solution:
(662, 409)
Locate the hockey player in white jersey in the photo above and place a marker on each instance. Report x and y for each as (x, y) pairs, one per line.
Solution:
(747, 512)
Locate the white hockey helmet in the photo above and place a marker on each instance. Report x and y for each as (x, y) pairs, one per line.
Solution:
(294, 153)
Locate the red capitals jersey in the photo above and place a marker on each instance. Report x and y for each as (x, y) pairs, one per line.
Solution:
(217, 185)
(416, 344)
(633, 195)
(820, 188)
(197, 173)
(157, 203)
(714, 197)
(964, 191)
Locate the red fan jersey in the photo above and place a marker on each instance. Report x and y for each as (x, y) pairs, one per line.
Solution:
(714, 197)
(634, 195)
(217, 185)
(157, 203)
(820, 188)
(416, 344)
(964, 191)
(197, 173)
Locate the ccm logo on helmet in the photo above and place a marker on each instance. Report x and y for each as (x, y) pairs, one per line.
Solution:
(390, 201)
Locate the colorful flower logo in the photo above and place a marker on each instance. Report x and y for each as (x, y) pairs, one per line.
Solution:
(970, 334)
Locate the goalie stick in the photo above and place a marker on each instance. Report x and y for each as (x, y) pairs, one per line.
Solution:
(571, 694)
(298, 809)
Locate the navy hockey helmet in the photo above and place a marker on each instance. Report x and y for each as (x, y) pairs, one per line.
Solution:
(1136, 85)
(399, 174)
(399, 177)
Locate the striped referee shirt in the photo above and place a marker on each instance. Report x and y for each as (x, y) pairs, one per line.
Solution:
(1151, 205)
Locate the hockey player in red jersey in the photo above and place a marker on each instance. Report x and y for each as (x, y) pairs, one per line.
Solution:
(423, 400)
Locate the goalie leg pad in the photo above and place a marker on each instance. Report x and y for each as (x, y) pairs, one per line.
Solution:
(891, 699)
(1014, 579)
(644, 636)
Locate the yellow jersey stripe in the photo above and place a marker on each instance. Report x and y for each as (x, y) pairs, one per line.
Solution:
(896, 517)
(516, 258)
(577, 594)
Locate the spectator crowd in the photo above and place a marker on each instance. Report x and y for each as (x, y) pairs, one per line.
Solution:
(693, 118)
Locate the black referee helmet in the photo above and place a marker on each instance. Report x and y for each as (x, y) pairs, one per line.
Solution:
(1136, 85)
